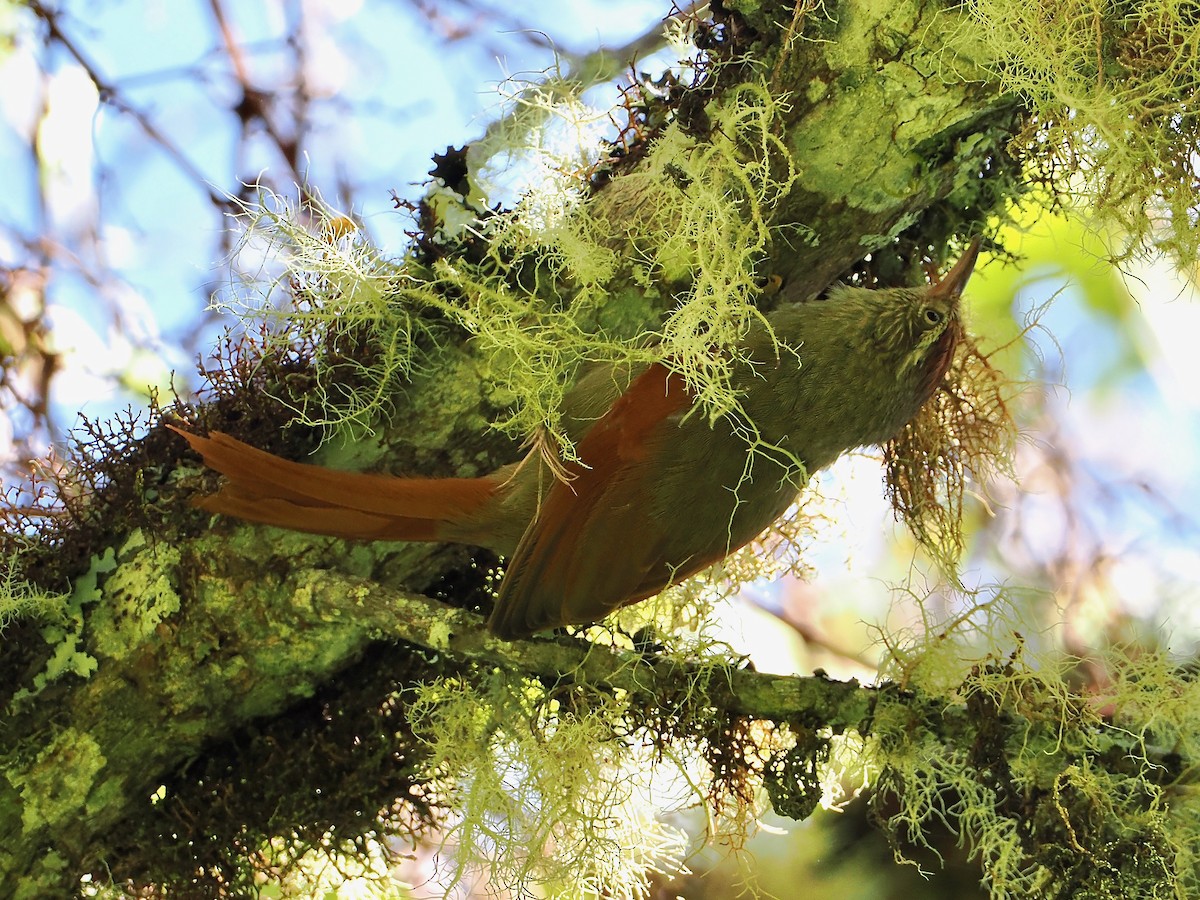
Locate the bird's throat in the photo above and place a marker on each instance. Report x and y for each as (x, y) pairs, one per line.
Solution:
(937, 362)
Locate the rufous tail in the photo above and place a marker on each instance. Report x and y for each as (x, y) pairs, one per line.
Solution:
(265, 488)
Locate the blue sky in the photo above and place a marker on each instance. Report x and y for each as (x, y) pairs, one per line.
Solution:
(387, 94)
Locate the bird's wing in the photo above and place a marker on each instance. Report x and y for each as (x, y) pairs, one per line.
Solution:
(594, 544)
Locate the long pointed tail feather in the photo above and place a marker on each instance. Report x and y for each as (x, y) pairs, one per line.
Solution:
(265, 488)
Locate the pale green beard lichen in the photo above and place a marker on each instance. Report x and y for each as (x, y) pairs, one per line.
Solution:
(704, 209)
(1113, 87)
(307, 286)
(702, 244)
(543, 795)
(21, 600)
(568, 788)
(1045, 786)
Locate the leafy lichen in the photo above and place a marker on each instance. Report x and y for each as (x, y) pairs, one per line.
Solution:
(137, 595)
(64, 633)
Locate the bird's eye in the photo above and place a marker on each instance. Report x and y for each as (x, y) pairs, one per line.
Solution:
(933, 316)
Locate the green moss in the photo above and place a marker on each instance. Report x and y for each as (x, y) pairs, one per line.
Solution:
(56, 786)
(879, 69)
(869, 32)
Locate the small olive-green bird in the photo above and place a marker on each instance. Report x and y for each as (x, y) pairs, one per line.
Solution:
(657, 495)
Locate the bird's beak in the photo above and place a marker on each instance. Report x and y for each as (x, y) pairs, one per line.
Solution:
(952, 283)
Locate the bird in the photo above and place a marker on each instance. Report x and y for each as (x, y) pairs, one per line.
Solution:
(658, 491)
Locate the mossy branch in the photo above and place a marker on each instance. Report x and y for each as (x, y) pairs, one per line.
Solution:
(886, 128)
(1038, 782)
(421, 620)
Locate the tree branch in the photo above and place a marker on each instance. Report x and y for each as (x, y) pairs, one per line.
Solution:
(182, 637)
(817, 700)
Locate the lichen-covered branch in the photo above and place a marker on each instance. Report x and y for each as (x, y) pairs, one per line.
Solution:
(734, 690)
(191, 703)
